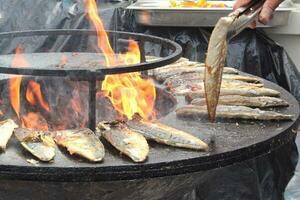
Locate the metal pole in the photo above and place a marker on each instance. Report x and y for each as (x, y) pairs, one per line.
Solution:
(92, 103)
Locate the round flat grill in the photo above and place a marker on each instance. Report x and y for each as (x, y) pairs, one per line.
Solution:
(229, 141)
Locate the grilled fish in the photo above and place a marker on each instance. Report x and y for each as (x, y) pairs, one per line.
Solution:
(82, 142)
(6, 130)
(39, 143)
(167, 135)
(252, 92)
(231, 112)
(214, 63)
(186, 88)
(237, 100)
(127, 141)
(184, 63)
(167, 73)
(184, 78)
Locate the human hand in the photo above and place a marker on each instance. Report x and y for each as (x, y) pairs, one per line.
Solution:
(266, 13)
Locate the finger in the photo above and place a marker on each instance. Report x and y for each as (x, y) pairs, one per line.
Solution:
(240, 3)
(267, 11)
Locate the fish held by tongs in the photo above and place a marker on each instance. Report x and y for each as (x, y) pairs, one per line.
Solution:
(225, 29)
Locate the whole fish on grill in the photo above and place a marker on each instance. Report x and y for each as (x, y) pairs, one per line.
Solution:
(184, 63)
(167, 135)
(167, 73)
(231, 112)
(83, 142)
(237, 100)
(6, 130)
(251, 92)
(186, 88)
(127, 141)
(180, 79)
(214, 62)
(39, 143)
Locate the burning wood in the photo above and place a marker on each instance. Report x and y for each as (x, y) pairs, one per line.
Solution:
(38, 143)
(6, 129)
(231, 112)
(128, 142)
(167, 135)
(237, 100)
(82, 142)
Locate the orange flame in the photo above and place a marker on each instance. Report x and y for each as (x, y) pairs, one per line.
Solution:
(34, 95)
(103, 41)
(34, 121)
(15, 83)
(129, 93)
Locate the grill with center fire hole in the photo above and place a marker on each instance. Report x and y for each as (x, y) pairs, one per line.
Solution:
(70, 98)
(77, 87)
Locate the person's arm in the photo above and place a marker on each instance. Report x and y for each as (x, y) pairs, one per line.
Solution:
(266, 12)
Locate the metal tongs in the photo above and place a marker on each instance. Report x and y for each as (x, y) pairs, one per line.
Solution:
(245, 15)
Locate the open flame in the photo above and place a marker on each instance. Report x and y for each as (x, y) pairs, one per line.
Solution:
(129, 93)
(34, 121)
(33, 96)
(15, 83)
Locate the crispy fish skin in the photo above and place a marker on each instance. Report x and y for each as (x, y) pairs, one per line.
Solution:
(225, 85)
(167, 73)
(200, 76)
(38, 143)
(127, 141)
(189, 78)
(231, 112)
(184, 64)
(214, 63)
(82, 142)
(6, 130)
(167, 135)
(253, 92)
(164, 75)
(237, 100)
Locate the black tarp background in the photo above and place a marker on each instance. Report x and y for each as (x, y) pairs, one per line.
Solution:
(252, 51)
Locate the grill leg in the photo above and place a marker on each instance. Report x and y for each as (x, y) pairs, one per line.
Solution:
(92, 103)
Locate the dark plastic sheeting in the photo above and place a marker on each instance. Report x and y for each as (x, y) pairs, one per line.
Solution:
(262, 178)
